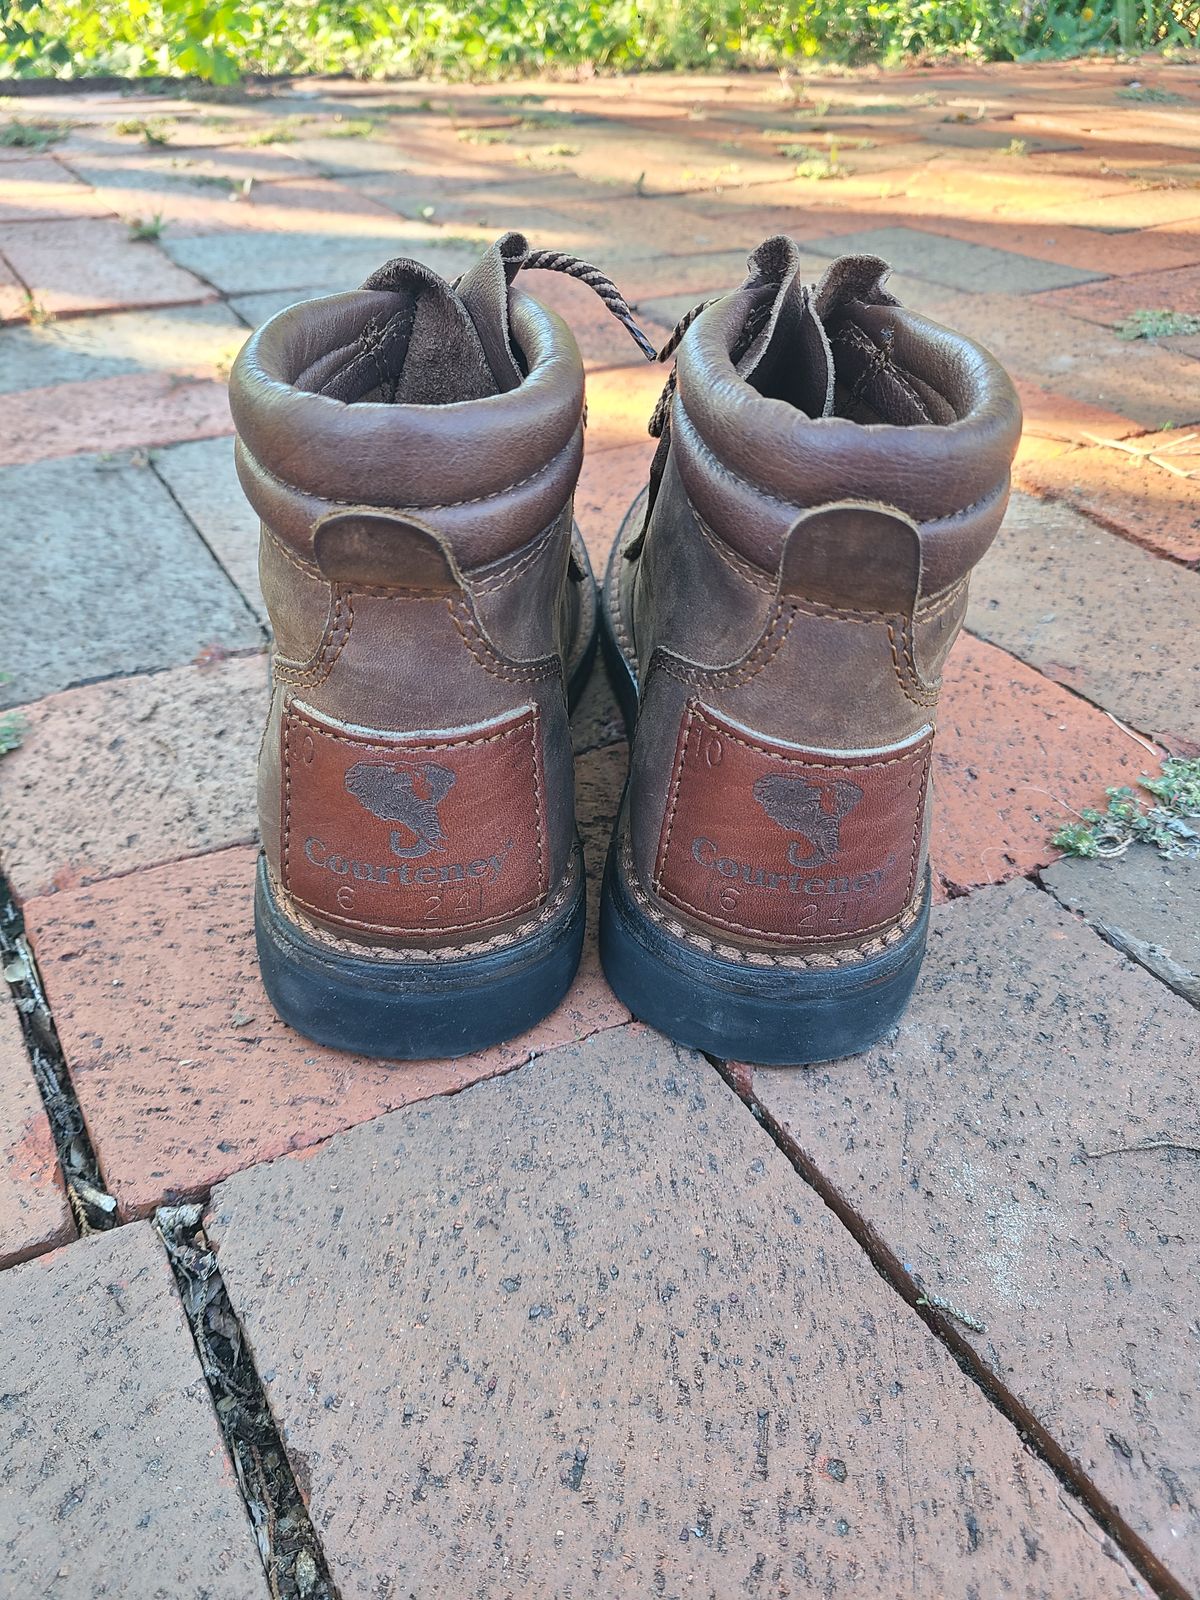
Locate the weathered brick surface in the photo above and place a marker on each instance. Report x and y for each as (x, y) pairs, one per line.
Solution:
(1147, 907)
(1095, 613)
(184, 1072)
(1142, 499)
(40, 189)
(1015, 756)
(202, 476)
(593, 1310)
(977, 268)
(610, 482)
(1138, 380)
(246, 263)
(962, 1142)
(198, 341)
(113, 573)
(34, 1215)
(115, 1478)
(1171, 289)
(109, 414)
(93, 265)
(177, 775)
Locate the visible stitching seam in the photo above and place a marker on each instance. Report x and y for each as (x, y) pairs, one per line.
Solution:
(530, 723)
(486, 657)
(761, 958)
(320, 664)
(444, 505)
(697, 711)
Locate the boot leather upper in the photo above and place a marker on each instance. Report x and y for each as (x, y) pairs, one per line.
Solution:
(833, 468)
(412, 451)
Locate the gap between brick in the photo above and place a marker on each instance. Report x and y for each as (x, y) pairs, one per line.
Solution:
(93, 1208)
(288, 1546)
(1031, 1431)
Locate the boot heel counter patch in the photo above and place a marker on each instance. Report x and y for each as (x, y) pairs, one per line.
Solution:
(790, 844)
(394, 833)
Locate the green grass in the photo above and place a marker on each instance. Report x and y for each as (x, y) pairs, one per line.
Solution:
(144, 230)
(31, 135)
(491, 38)
(1156, 325)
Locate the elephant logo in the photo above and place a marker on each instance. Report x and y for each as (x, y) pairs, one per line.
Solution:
(815, 810)
(407, 795)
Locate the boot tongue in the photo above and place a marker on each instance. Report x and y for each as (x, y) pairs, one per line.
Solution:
(443, 342)
(789, 356)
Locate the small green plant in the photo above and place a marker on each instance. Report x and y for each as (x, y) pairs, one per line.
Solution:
(561, 150)
(151, 130)
(483, 135)
(146, 229)
(31, 135)
(1016, 147)
(351, 128)
(822, 168)
(285, 132)
(1147, 94)
(1171, 825)
(1156, 325)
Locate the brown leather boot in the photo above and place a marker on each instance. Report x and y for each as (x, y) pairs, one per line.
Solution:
(776, 614)
(412, 450)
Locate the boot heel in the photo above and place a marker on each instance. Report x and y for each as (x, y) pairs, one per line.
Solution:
(768, 1016)
(417, 1009)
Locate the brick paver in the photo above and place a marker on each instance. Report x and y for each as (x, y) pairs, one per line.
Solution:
(94, 265)
(1015, 756)
(114, 1477)
(1097, 614)
(183, 1071)
(592, 1310)
(203, 478)
(34, 1214)
(962, 1142)
(115, 575)
(1147, 497)
(421, 1294)
(177, 778)
(1146, 906)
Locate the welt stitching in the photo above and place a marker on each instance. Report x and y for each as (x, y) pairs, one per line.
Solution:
(383, 927)
(450, 952)
(763, 958)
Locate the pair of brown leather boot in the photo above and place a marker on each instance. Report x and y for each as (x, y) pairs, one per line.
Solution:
(775, 616)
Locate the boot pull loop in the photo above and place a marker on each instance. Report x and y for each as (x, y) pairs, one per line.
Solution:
(854, 557)
(369, 547)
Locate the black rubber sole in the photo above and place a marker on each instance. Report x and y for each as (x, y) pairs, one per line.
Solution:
(774, 1017)
(769, 1016)
(421, 1010)
(415, 1010)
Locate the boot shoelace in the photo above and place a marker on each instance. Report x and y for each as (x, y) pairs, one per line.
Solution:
(614, 301)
